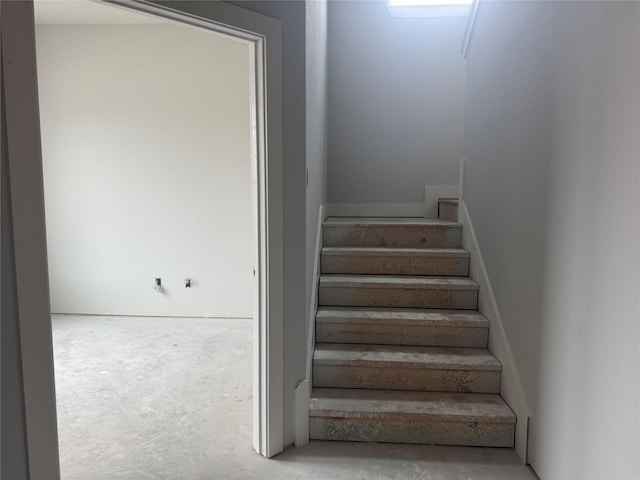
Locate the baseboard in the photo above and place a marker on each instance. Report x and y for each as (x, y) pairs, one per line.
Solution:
(375, 210)
(510, 387)
(302, 392)
(434, 192)
(301, 399)
(426, 209)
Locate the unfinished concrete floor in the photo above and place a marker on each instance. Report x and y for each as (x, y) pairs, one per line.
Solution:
(170, 398)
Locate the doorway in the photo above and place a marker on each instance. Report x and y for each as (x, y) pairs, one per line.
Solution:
(146, 145)
(30, 260)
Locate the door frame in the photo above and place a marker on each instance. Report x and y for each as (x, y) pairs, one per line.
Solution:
(263, 34)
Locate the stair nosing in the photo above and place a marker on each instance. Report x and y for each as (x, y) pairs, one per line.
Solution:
(395, 252)
(385, 400)
(416, 282)
(401, 316)
(411, 222)
(408, 356)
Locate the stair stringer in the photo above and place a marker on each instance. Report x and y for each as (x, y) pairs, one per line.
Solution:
(302, 391)
(511, 388)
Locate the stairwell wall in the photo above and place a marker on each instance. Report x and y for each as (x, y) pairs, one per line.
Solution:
(316, 73)
(552, 184)
(396, 103)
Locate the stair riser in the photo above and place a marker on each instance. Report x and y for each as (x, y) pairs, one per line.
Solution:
(398, 297)
(401, 265)
(390, 334)
(399, 378)
(448, 211)
(434, 433)
(391, 236)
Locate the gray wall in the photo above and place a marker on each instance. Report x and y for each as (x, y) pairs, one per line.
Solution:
(396, 103)
(25, 294)
(316, 62)
(552, 187)
(13, 457)
(292, 16)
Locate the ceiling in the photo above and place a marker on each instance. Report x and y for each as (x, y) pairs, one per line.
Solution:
(88, 12)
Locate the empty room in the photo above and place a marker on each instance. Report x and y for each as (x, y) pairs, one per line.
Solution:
(147, 173)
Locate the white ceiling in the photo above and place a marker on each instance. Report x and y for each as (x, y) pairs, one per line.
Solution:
(87, 12)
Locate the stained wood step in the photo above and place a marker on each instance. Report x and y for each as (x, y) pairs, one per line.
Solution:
(391, 232)
(398, 291)
(395, 261)
(411, 417)
(399, 367)
(402, 326)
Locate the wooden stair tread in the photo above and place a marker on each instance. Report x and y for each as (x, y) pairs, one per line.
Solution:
(396, 251)
(440, 406)
(397, 281)
(440, 358)
(404, 316)
(389, 221)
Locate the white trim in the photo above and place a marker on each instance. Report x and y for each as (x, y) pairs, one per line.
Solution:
(427, 209)
(510, 385)
(461, 178)
(375, 210)
(434, 192)
(311, 320)
(302, 393)
(471, 22)
(301, 399)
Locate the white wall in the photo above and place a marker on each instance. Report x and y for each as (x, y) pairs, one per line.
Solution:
(552, 182)
(146, 151)
(316, 73)
(396, 103)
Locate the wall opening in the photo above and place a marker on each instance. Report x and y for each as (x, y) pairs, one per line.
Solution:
(148, 172)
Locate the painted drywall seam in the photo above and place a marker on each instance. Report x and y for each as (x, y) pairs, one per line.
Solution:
(510, 386)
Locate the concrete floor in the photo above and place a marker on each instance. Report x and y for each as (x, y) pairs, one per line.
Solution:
(170, 398)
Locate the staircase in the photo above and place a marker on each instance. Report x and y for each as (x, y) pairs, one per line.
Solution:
(401, 350)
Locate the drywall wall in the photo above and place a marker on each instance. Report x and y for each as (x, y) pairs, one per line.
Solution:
(13, 456)
(316, 65)
(292, 18)
(552, 183)
(505, 187)
(25, 286)
(146, 153)
(396, 103)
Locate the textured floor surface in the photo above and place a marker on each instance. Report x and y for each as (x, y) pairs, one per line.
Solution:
(170, 398)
